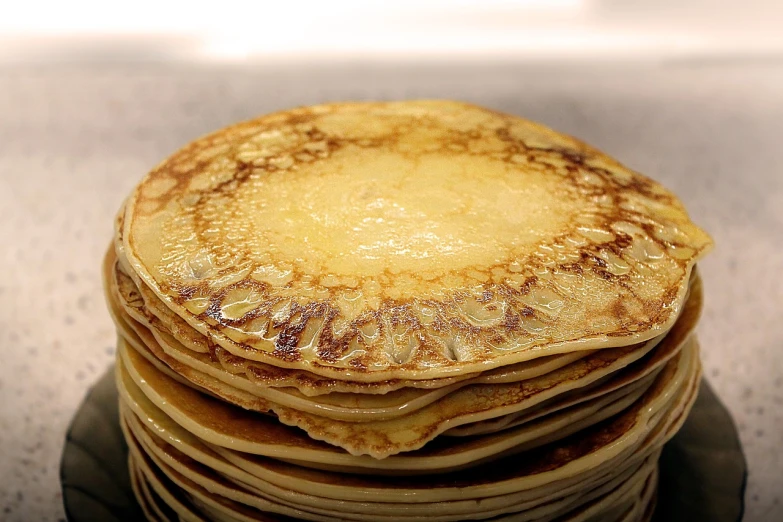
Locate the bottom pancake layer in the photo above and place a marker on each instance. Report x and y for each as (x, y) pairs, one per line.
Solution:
(605, 472)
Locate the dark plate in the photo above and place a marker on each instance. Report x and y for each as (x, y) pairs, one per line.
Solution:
(703, 470)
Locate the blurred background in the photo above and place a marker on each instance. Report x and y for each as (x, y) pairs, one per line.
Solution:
(232, 30)
(93, 94)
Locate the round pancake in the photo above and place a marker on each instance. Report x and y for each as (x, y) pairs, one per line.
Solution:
(688, 317)
(671, 427)
(160, 510)
(340, 406)
(380, 439)
(618, 503)
(681, 331)
(160, 485)
(630, 427)
(175, 464)
(415, 240)
(487, 478)
(151, 511)
(612, 389)
(337, 405)
(212, 460)
(441, 456)
(260, 377)
(623, 479)
(469, 404)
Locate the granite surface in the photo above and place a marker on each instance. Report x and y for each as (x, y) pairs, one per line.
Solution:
(75, 139)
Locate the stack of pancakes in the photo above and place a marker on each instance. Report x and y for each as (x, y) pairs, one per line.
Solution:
(401, 311)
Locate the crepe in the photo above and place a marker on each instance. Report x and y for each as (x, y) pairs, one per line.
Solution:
(261, 436)
(661, 422)
(401, 311)
(408, 240)
(337, 405)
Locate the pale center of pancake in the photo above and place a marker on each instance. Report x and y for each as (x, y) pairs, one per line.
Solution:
(366, 212)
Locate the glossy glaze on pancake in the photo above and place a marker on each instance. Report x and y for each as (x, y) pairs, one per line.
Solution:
(417, 240)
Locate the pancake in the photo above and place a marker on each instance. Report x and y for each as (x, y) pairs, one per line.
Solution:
(679, 334)
(673, 411)
(610, 391)
(465, 509)
(336, 405)
(142, 495)
(387, 437)
(172, 497)
(694, 379)
(466, 405)
(175, 466)
(262, 377)
(415, 488)
(443, 455)
(424, 268)
(401, 311)
(156, 508)
(170, 460)
(363, 408)
(227, 430)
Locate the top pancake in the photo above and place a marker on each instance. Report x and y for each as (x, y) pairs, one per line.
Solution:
(372, 241)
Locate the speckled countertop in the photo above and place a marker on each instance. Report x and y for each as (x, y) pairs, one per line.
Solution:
(75, 139)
